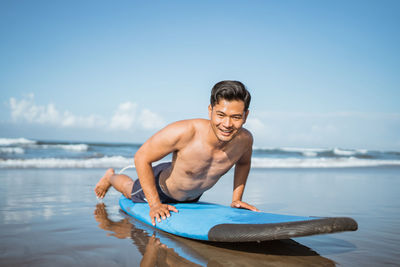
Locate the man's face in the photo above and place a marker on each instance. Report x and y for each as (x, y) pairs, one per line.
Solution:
(227, 118)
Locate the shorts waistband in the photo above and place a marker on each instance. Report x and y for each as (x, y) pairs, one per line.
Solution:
(137, 191)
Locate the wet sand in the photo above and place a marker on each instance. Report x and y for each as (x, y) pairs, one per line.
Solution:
(51, 217)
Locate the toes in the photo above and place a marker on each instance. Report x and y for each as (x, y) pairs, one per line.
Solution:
(110, 172)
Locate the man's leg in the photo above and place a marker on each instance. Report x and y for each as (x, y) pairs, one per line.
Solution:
(122, 183)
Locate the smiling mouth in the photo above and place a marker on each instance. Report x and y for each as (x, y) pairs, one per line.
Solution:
(226, 132)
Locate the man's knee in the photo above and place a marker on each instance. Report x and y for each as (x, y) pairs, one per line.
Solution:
(128, 185)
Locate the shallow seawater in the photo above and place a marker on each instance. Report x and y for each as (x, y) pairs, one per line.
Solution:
(51, 217)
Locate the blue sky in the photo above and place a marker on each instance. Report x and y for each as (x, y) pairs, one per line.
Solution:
(321, 73)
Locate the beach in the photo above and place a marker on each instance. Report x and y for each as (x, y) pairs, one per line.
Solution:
(50, 216)
(305, 91)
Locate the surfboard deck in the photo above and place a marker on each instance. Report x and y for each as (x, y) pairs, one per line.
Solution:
(213, 222)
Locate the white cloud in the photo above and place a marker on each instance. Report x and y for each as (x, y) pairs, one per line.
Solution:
(91, 121)
(150, 120)
(125, 117)
(254, 124)
(344, 129)
(263, 129)
(26, 110)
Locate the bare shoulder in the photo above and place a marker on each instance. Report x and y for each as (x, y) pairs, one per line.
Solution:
(245, 142)
(245, 137)
(179, 132)
(170, 138)
(200, 124)
(190, 126)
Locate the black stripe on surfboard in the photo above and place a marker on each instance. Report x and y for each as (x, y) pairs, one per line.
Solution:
(275, 231)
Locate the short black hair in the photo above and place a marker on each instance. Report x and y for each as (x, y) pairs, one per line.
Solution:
(230, 90)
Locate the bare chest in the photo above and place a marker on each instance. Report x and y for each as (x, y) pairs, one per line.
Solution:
(197, 162)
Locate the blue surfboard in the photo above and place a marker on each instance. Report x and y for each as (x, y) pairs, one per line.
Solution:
(213, 222)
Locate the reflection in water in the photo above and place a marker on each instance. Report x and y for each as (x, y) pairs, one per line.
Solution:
(163, 249)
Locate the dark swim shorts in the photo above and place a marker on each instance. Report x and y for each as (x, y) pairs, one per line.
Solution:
(138, 196)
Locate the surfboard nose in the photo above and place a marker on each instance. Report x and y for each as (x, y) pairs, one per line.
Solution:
(283, 230)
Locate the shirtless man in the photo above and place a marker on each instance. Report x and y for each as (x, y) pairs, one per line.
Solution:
(203, 151)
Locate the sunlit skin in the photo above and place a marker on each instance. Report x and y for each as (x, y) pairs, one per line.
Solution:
(202, 151)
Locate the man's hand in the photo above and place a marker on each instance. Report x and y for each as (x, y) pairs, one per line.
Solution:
(243, 205)
(160, 211)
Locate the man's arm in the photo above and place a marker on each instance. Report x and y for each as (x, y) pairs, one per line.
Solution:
(242, 169)
(167, 140)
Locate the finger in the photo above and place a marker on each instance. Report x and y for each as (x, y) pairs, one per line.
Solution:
(252, 208)
(167, 213)
(255, 209)
(153, 222)
(246, 206)
(249, 207)
(172, 208)
(163, 214)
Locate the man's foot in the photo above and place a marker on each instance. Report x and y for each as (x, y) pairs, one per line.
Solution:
(104, 184)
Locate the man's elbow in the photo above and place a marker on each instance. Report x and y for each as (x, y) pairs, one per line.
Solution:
(243, 164)
(138, 158)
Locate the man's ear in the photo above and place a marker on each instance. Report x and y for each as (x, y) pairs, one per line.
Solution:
(245, 116)
(209, 111)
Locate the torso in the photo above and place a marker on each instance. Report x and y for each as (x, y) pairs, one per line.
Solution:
(196, 167)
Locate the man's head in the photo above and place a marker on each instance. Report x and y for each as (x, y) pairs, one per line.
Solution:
(230, 90)
(228, 109)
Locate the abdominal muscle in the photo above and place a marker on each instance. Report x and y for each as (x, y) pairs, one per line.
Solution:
(185, 182)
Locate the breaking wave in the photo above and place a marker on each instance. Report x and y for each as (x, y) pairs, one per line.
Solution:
(120, 162)
(320, 163)
(15, 141)
(26, 153)
(105, 162)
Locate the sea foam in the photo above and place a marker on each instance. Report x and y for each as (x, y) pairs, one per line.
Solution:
(320, 163)
(104, 162)
(11, 150)
(15, 141)
(120, 162)
(70, 147)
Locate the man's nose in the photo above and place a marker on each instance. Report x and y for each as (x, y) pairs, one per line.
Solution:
(227, 122)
